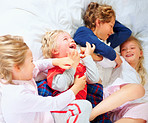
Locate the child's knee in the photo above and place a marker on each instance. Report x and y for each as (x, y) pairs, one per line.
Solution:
(141, 90)
(136, 89)
(84, 105)
(87, 104)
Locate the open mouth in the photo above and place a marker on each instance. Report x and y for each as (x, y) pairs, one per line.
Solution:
(129, 55)
(72, 46)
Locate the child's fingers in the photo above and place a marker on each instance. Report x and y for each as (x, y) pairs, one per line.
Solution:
(88, 45)
(93, 46)
(70, 55)
(73, 53)
(83, 78)
(82, 49)
(82, 52)
(66, 66)
(77, 76)
(65, 63)
(80, 81)
(76, 53)
(69, 61)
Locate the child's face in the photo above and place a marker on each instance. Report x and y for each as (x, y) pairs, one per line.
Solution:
(64, 44)
(131, 52)
(26, 70)
(104, 30)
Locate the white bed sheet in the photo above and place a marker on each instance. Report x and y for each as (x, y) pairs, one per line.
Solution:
(32, 18)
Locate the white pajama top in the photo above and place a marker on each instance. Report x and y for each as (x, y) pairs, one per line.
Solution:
(127, 74)
(20, 103)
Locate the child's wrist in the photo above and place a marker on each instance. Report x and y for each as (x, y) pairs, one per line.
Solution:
(55, 62)
(75, 89)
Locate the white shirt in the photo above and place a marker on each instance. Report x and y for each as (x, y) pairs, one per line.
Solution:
(127, 74)
(21, 103)
(105, 68)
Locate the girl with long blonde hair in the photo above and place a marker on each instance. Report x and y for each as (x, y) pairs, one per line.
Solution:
(126, 98)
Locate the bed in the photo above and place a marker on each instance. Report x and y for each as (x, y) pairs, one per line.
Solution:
(32, 18)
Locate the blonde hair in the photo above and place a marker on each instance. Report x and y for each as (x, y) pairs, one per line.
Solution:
(94, 11)
(12, 51)
(49, 42)
(140, 67)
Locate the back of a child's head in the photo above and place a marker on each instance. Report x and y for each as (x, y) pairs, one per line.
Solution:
(96, 11)
(12, 52)
(140, 66)
(49, 42)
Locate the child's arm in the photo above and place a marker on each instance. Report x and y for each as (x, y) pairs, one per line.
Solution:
(96, 57)
(84, 34)
(92, 73)
(79, 84)
(116, 99)
(45, 64)
(29, 102)
(62, 82)
(118, 60)
(64, 63)
(121, 34)
(106, 63)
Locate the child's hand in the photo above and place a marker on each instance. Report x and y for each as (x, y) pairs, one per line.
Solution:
(65, 63)
(97, 57)
(88, 50)
(82, 52)
(75, 56)
(79, 84)
(118, 60)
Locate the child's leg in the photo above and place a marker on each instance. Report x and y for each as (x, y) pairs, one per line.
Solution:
(130, 120)
(77, 112)
(127, 93)
(95, 96)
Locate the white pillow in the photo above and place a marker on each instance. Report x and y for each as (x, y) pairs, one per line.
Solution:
(66, 14)
(1, 116)
(24, 23)
(27, 19)
(31, 19)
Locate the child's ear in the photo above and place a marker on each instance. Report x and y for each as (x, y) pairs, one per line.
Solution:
(55, 51)
(16, 68)
(97, 22)
(141, 53)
